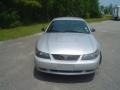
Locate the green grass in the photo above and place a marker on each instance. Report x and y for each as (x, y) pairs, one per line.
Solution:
(104, 18)
(6, 34)
(20, 31)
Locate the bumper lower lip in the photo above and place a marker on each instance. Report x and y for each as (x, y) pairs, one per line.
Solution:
(63, 72)
(66, 68)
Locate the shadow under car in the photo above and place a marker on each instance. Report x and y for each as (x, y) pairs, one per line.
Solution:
(63, 78)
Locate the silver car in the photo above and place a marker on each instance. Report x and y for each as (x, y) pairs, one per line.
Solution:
(67, 47)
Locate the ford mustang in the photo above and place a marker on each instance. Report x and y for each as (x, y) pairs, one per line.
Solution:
(67, 47)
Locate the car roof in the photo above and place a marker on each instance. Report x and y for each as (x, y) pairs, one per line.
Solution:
(68, 18)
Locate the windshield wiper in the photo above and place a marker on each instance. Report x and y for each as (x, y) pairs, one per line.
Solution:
(74, 31)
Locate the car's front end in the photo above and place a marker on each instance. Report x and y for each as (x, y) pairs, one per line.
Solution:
(67, 53)
(67, 67)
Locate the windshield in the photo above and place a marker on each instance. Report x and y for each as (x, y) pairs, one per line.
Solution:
(74, 26)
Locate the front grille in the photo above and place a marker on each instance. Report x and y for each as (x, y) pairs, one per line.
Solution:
(65, 57)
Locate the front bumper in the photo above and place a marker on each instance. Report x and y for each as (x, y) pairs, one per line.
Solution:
(66, 67)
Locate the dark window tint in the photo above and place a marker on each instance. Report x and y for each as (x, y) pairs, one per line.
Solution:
(75, 26)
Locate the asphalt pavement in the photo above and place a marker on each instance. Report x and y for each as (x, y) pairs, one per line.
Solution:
(17, 66)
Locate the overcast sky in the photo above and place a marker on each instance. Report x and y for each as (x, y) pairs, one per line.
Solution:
(108, 2)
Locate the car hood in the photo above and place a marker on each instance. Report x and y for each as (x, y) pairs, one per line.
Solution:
(67, 43)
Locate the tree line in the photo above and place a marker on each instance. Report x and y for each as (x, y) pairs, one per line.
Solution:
(18, 12)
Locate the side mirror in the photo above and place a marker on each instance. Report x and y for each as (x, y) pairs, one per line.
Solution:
(92, 30)
(43, 29)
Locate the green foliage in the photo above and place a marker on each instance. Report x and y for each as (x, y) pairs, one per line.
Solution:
(32, 3)
(107, 9)
(79, 8)
(9, 19)
(30, 11)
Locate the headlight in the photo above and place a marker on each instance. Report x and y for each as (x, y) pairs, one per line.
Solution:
(91, 56)
(42, 54)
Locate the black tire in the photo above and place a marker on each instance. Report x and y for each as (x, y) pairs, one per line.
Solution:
(100, 58)
(115, 18)
(36, 71)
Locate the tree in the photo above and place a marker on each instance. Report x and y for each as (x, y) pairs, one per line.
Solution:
(30, 11)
